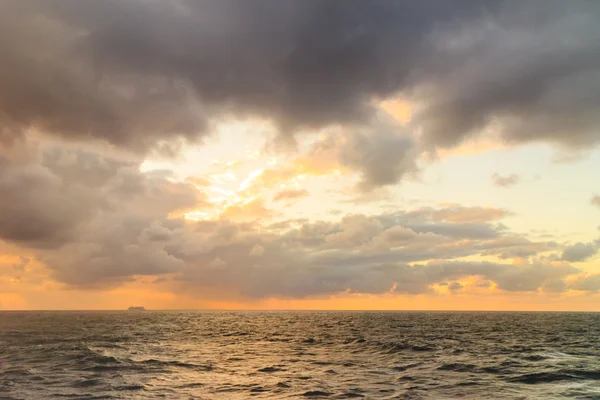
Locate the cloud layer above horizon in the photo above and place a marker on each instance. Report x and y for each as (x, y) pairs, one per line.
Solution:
(351, 100)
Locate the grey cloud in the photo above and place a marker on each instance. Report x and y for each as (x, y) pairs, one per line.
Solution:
(529, 72)
(113, 248)
(158, 233)
(302, 279)
(52, 82)
(579, 252)
(382, 154)
(457, 230)
(150, 193)
(505, 181)
(256, 251)
(76, 166)
(354, 230)
(590, 283)
(44, 201)
(37, 207)
(451, 221)
(297, 263)
(515, 278)
(367, 254)
(455, 286)
(138, 73)
(98, 266)
(119, 224)
(514, 246)
(556, 286)
(96, 232)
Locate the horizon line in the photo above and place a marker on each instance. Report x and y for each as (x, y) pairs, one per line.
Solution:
(294, 310)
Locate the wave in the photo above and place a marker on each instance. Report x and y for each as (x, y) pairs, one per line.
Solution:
(458, 367)
(561, 375)
(270, 369)
(222, 355)
(179, 364)
(316, 393)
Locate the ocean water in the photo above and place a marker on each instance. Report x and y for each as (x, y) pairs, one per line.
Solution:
(281, 355)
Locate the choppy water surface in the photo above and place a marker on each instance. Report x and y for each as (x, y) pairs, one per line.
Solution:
(276, 355)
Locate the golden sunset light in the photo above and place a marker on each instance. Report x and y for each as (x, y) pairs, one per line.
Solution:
(299, 199)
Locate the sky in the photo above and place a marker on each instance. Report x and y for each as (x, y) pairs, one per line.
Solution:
(300, 154)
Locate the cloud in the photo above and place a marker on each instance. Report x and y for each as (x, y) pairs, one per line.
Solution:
(251, 210)
(290, 194)
(93, 220)
(515, 75)
(397, 234)
(505, 181)
(128, 228)
(513, 278)
(302, 279)
(579, 252)
(88, 89)
(21, 265)
(157, 233)
(151, 74)
(217, 263)
(457, 213)
(363, 254)
(590, 283)
(38, 208)
(256, 251)
(455, 286)
(136, 233)
(100, 71)
(101, 263)
(382, 154)
(354, 230)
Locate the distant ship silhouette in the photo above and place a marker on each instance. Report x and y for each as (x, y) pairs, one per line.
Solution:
(132, 308)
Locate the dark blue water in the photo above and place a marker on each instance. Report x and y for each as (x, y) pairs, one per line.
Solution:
(280, 355)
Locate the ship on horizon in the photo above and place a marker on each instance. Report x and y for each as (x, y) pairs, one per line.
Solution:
(136, 308)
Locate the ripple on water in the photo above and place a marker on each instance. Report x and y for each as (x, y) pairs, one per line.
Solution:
(281, 355)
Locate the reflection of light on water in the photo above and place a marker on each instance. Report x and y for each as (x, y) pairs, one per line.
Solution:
(283, 354)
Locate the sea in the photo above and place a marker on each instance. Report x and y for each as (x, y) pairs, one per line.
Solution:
(300, 354)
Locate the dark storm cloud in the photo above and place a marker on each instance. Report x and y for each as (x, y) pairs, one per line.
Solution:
(135, 73)
(530, 71)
